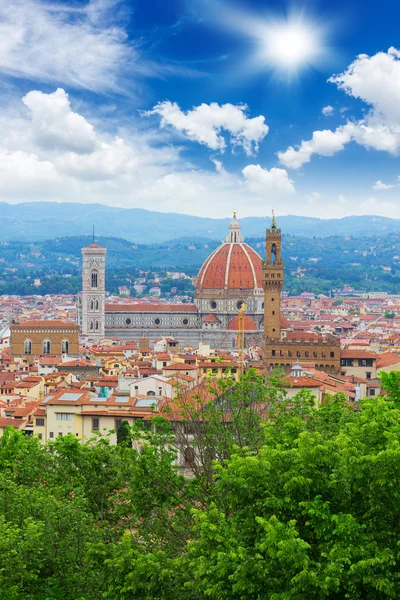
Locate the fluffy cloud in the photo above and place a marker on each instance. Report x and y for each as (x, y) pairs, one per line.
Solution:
(328, 111)
(376, 81)
(325, 143)
(23, 175)
(65, 158)
(205, 123)
(55, 125)
(379, 185)
(262, 181)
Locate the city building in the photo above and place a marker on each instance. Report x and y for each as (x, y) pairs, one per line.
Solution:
(52, 337)
(229, 277)
(281, 348)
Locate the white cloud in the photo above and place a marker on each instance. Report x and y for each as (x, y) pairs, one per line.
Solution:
(24, 175)
(325, 143)
(314, 197)
(262, 181)
(379, 185)
(328, 111)
(65, 158)
(376, 81)
(76, 45)
(55, 125)
(219, 167)
(205, 124)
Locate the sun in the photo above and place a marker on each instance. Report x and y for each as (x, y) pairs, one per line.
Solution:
(291, 44)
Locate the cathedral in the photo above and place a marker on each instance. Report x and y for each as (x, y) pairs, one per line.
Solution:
(233, 275)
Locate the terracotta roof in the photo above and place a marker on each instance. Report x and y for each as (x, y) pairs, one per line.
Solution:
(151, 308)
(232, 266)
(249, 324)
(386, 359)
(211, 319)
(180, 367)
(357, 354)
(306, 336)
(9, 421)
(47, 323)
(303, 382)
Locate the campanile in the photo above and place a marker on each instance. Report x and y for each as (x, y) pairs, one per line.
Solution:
(272, 278)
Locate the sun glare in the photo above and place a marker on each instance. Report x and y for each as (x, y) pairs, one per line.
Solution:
(291, 44)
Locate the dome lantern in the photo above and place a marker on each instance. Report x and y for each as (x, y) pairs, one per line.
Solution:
(234, 236)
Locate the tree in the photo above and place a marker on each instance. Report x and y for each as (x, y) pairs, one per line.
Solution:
(124, 435)
(389, 315)
(297, 501)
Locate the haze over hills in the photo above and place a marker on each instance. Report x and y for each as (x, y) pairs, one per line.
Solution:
(34, 221)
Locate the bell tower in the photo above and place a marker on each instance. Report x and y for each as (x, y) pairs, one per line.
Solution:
(272, 278)
(93, 290)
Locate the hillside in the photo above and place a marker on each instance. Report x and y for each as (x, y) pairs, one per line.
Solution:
(34, 221)
(311, 264)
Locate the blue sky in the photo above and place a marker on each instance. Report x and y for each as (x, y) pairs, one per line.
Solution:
(202, 106)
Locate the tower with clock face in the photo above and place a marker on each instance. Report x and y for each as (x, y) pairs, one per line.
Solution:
(93, 291)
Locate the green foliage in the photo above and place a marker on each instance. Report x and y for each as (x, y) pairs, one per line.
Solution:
(124, 435)
(292, 501)
(337, 302)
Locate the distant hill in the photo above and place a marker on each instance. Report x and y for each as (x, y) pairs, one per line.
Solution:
(34, 221)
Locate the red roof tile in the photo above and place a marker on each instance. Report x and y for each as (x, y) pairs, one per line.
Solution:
(235, 266)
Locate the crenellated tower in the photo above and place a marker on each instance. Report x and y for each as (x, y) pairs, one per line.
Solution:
(272, 278)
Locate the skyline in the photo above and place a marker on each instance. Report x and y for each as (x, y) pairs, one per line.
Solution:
(201, 107)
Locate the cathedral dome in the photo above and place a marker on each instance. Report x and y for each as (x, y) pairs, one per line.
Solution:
(232, 266)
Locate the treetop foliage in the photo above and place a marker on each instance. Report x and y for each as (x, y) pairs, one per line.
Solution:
(282, 500)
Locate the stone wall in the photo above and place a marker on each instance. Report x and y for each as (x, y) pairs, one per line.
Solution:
(37, 334)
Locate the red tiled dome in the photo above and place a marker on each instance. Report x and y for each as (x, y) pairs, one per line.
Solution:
(249, 324)
(234, 266)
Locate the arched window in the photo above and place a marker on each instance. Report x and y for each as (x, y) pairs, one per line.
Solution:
(91, 325)
(94, 279)
(64, 346)
(91, 305)
(151, 393)
(314, 354)
(96, 326)
(332, 355)
(97, 305)
(46, 347)
(273, 353)
(27, 347)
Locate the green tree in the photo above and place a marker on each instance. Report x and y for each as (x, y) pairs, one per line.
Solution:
(124, 437)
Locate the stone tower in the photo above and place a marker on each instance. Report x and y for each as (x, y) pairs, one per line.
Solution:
(272, 277)
(93, 290)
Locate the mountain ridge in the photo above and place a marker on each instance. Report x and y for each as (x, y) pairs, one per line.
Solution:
(37, 221)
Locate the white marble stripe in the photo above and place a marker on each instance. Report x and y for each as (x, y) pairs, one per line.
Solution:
(251, 264)
(228, 260)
